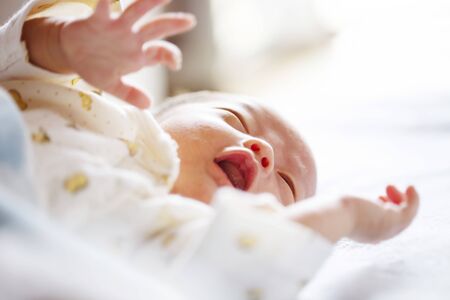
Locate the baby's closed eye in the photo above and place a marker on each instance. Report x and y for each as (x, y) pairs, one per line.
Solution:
(290, 183)
(235, 119)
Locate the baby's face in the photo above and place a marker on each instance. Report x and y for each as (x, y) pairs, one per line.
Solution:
(232, 142)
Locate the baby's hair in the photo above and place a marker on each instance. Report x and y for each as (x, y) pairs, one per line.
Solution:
(190, 98)
(160, 110)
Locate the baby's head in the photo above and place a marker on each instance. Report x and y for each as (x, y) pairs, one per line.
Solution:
(229, 140)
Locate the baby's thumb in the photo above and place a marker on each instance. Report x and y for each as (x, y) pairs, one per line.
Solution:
(130, 94)
(413, 202)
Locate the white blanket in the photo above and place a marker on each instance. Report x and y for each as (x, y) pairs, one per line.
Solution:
(400, 140)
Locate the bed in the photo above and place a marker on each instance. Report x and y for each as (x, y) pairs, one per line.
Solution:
(401, 140)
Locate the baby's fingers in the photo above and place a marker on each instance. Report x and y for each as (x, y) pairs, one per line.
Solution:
(384, 199)
(138, 9)
(102, 10)
(394, 195)
(165, 53)
(407, 213)
(166, 25)
(398, 218)
(129, 94)
(412, 202)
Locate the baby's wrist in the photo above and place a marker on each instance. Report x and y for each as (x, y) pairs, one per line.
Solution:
(58, 51)
(348, 211)
(333, 220)
(42, 37)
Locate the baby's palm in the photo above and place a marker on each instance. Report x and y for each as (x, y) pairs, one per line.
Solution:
(102, 49)
(376, 222)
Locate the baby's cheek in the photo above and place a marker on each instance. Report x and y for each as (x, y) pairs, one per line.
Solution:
(192, 182)
(269, 185)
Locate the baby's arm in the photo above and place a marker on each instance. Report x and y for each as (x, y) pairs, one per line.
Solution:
(102, 49)
(359, 219)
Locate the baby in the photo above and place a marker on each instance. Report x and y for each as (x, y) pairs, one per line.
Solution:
(229, 140)
(223, 140)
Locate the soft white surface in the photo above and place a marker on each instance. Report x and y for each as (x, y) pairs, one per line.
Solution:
(361, 146)
(364, 142)
(414, 265)
(385, 118)
(404, 141)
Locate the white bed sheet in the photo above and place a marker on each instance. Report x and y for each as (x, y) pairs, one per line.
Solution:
(401, 140)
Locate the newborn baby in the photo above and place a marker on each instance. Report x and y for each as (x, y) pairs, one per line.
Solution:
(105, 169)
(232, 140)
(222, 140)
(229, 140)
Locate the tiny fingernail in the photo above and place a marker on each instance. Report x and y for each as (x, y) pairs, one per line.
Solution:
(178, 63)
(146, 105)
(383, 198)
(177, 66)
(396, 201)
(193, 20)
(411, 190)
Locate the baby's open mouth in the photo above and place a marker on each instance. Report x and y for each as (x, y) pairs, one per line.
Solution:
(239, 167)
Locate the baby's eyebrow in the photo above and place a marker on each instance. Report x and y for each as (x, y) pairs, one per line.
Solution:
(290, 183)
(239, 116)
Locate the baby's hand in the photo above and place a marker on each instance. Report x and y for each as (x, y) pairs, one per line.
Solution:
(375, 222)
(102, 49)
(359, 219)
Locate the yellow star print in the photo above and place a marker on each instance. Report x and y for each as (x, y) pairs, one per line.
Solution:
(86, 101)
(40, 137)
(18, 99)
(76, 182)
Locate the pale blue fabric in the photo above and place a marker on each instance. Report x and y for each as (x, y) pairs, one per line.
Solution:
(14, 168)
(12, 137)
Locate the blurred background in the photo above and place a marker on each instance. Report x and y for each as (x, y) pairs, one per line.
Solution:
(366, 82)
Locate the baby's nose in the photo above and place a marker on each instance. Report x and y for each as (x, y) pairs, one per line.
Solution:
(263, 153)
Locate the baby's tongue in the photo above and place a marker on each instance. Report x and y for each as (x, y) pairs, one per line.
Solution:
(233, 173)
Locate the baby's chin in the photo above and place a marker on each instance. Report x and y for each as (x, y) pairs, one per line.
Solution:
(197, 192)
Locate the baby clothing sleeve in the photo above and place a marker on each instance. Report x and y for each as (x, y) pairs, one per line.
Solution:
(233, 250)
(14, 62)
(250, 252)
